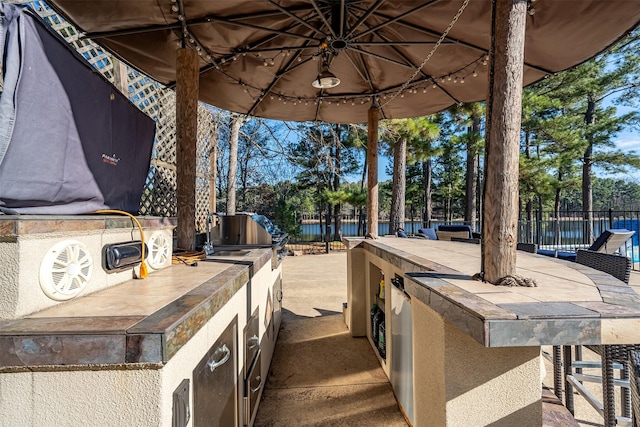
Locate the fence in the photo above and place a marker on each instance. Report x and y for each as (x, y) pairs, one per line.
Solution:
(567, 231)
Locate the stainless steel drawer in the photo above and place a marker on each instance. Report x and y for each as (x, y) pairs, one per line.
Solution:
(253, 385)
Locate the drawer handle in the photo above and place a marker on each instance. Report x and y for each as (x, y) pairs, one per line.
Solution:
(279, 295)
(213, 365)
(259, 378)
(253, 342)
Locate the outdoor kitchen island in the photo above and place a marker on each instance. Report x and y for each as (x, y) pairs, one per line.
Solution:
(474, 348)
(188, 345)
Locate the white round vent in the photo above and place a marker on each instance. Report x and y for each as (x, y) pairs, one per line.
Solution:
(65, 270)
(159, 250)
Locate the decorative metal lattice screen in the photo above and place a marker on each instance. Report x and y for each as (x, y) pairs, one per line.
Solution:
(158, 102)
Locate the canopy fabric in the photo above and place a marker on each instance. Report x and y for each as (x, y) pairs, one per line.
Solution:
(261, 57)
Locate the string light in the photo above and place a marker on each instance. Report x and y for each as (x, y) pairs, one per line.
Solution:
(457, 76)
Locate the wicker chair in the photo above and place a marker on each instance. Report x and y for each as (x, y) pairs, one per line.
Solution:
(527, 247)
(616, 265)
(634, 385)
(611, 355)
(465, 240)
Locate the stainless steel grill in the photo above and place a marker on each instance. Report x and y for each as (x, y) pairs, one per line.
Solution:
(244, 231)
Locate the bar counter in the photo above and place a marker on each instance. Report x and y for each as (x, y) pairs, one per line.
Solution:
(476, 346)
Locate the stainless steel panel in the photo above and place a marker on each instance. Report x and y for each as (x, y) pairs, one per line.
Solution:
(277, 305)
(239, 230)
(215, 402)
(401, 347)
(181, 411)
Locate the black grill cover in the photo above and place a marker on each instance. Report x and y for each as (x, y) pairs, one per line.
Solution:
(70, 142)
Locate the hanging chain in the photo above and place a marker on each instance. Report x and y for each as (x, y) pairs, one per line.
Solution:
(433, 50)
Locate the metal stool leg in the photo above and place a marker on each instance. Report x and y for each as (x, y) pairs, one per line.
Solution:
(557, 371)
(578, 350)
(608, 395)
(625, 392)
(568, 388)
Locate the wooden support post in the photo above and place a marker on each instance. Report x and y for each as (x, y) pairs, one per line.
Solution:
(503, 140)
(186, 135)
(372, 174)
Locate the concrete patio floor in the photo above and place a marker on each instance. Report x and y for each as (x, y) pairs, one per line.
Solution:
(321, 376)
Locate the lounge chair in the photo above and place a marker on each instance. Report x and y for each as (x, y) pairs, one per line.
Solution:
(458, 228)
(527, 247)
(611, 240)
(429, 233)
(608, 242)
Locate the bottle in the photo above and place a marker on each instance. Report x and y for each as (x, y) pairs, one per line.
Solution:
(381, 286)
(382, 345)
(374, 323)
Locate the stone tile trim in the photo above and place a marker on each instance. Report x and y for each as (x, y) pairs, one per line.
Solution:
(20, 225)
(512, 324)
(48, 343)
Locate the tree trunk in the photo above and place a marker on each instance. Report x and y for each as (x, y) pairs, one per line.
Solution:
(399, 185)
(529, 210)
(363, 180)
(428, 207)
(587, 186)
(471, 175)
(556, 214)
(529, 202)
(236, 124)
(372, 181)
(186, 136)
(503, 141)
(337, 232)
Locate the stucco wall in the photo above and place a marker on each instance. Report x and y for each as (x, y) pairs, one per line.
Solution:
(131, 395)
(137, 396)
(21, 293)
(80, 398)
(356, 293)
(459, 382)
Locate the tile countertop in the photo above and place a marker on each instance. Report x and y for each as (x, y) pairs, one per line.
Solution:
(572, 304)
(139, 321)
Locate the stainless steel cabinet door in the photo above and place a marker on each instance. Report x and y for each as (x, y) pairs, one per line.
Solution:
(402, 350)
(215, 401)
